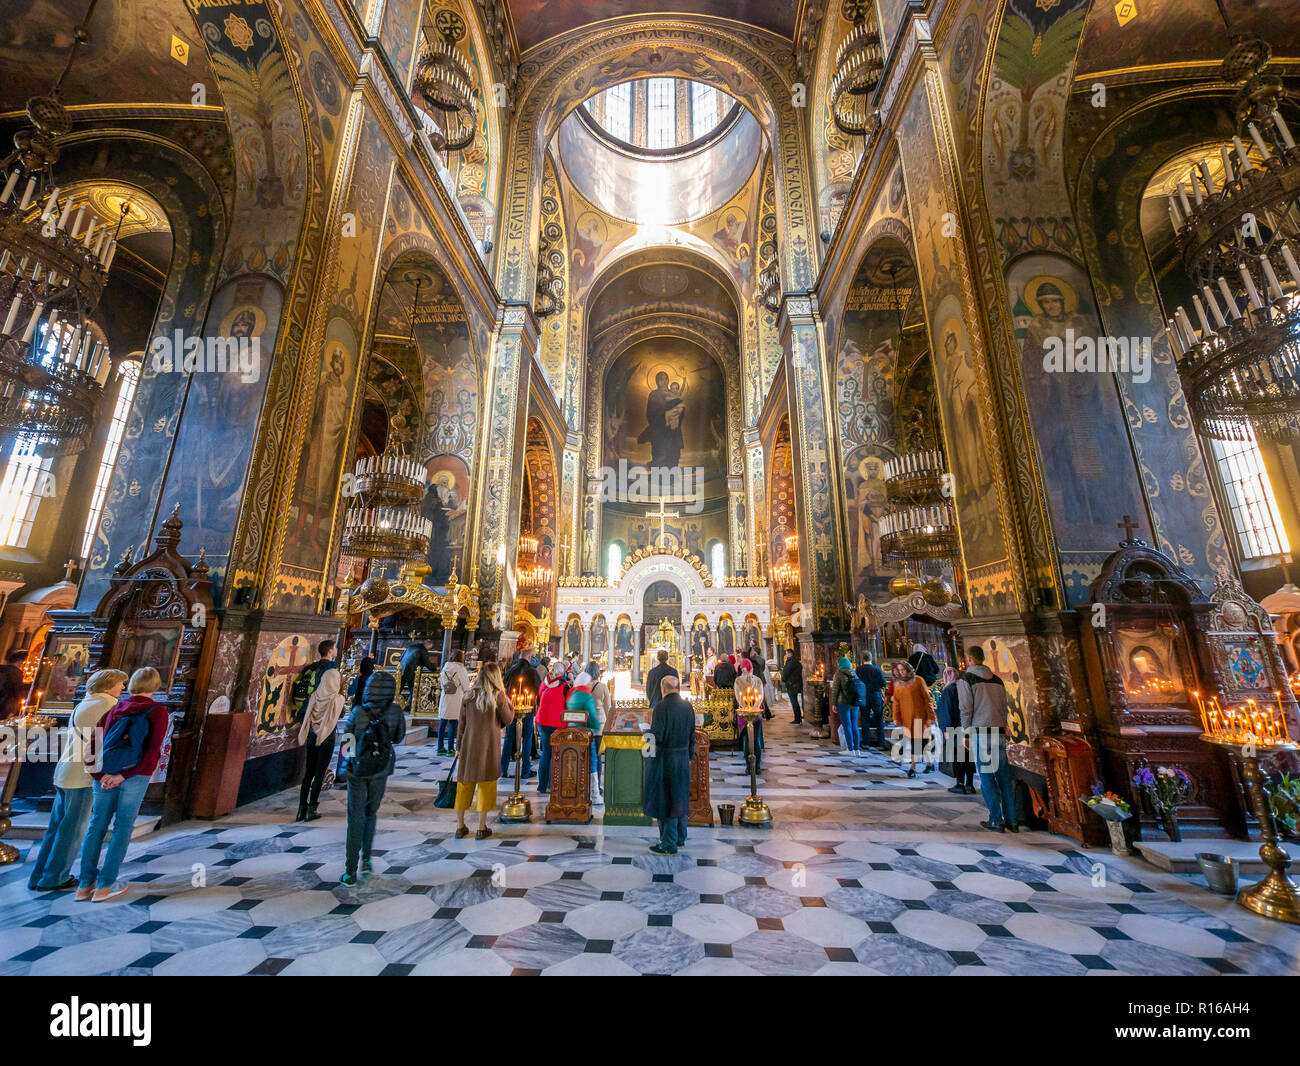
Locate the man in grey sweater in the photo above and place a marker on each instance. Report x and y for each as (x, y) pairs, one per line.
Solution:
(982, 700)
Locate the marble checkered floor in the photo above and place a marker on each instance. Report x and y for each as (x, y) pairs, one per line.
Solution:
(893, 878)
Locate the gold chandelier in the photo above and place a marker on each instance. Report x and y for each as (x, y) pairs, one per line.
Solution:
(785, 575)
(444, 81)
(54, 262)
(921, 523)
(859, 64)
(531, 576)
(383, 521)
(1237, 221)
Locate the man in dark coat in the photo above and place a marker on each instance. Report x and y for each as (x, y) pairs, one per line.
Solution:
(654, 680)
(724, 676)
(521, 672)
(415, 657)
(667, 793)
(366, 790)
(873, 679)
(923, 663)
(792, 679)
(11, 684)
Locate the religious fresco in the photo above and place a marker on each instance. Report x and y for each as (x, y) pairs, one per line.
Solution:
(222, 412)
(554, 328)
(1086, 461)
(446, 506)
(665, 406)
(782, 521)
(276, 712)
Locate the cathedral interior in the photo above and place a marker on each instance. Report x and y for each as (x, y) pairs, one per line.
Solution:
(802, 329)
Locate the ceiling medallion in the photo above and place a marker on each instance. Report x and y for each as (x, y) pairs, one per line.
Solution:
(54, 262)
(1237, 221)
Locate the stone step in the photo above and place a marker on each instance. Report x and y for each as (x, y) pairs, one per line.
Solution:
(1180, 858)
(32, 825)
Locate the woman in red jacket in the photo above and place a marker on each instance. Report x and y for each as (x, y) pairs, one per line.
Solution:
(550, 716)
(118, 794)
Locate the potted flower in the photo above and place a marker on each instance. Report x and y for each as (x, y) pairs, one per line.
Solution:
(1166, 789)
(1114, 811)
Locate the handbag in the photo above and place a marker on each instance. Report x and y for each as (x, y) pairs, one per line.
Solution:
(446, 798)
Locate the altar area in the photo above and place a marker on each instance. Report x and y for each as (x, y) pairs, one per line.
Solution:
(715, 613)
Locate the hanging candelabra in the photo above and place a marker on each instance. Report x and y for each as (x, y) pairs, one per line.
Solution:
(531, 576)
(444, 83)
(1236, 217)
(383, 522)
(785, 575)
(55, 255)
(859, 64)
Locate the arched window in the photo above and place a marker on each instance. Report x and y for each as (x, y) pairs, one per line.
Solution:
(1251, 504)
(615, 562)
(128, 375)
(704, 109)
(718, 561)
(661, 113)
(618, 111)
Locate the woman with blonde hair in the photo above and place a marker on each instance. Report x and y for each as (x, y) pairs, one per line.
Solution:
(913, 712)
(122, 765)
(485, 712)
(52, 871)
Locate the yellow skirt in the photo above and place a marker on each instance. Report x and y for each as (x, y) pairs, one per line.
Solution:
(487, 795)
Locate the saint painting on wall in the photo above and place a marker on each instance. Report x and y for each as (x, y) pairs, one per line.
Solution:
(599, 637)
(573, 637)
(445, 505)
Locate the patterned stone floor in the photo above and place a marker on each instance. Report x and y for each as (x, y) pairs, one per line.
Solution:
(864, 872)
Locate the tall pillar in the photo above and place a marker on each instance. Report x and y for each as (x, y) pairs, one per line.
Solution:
(492, 538)
(636, 653)
(586, 644)
(818, 504)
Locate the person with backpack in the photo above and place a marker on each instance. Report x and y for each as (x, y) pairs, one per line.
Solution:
(133, 733)
(455, 683)
(357, 690)
(982, 699)
(874, 683)
(848, 693)
(485, 714)
(373, 730)
(551, 697)
(415, 657)
(52, 871)
(316, 734)
(327, 652)
(922, 662)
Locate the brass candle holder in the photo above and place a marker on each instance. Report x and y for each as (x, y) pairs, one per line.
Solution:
(516, 807)
(753, 812)
(18, 724)
(1249, 732)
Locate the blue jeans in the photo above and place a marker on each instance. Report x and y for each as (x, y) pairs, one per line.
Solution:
(447, 733)
(672, 833)
(849, 720)
(544, 767)
(67, 828)
(997, 786)
(120, 806)
(508, 745)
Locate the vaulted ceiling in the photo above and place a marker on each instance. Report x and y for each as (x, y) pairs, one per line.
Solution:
(535, 21)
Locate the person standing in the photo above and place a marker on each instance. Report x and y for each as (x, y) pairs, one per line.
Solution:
(415, 657)
(590, 680)
(11, 684)
(848, 694)
(374, 729)
(792, 679)
(357, 690)
(948, 714)
(982, 697)
(550, 716)
(667, 789)
(133, 733)
(523, 673)
(724, 675)
(873, 681)
(914, 713)
(654, 679)
(52, 871)
(484, 714)
(746, 681)
(324, 708)
(923, 664)
(455, 683)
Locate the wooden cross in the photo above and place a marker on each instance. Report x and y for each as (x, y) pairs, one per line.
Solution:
(1128, 526)
(662, 514)
(68, 567)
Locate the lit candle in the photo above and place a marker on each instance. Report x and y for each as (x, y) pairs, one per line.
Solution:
(1246, 164)
(1251, 291)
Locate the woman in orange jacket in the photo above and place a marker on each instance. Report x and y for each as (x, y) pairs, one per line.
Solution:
(914, 712)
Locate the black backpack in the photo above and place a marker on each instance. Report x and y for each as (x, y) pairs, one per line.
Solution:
(374, 749)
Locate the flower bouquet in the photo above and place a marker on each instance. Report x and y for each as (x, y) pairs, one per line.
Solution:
(1114, 811)
(1166, 789)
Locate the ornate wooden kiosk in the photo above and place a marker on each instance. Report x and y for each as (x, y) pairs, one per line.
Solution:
(570, 785)
(701, 803)
(1153, 644)
(159, 612)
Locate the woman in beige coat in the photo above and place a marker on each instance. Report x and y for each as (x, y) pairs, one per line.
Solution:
(454, 682)
(482, 717)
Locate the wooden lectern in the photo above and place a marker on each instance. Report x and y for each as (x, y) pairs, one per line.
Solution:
(570, 799)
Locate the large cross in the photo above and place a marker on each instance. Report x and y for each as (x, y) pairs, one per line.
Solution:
(1128, 526)
(662, 514)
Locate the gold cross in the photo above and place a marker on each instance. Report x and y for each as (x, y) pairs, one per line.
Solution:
(661, 514)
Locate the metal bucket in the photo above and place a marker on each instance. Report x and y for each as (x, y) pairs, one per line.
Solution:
(727, 813)
(1220, 872)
